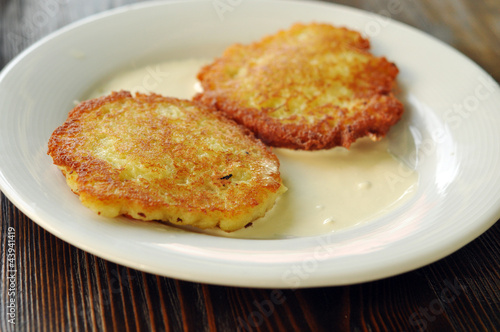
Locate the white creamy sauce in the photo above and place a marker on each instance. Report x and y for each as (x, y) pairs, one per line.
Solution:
(171, 78)
(327, 190)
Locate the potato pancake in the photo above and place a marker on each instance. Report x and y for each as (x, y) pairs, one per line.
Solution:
(313, 86)
(151, 157)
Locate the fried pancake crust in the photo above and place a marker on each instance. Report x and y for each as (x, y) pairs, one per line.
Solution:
(311, 87)
(157, 158)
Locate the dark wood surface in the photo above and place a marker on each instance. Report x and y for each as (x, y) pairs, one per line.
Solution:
(61, 288)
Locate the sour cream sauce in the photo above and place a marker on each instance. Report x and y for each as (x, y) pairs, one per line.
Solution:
(328, 190)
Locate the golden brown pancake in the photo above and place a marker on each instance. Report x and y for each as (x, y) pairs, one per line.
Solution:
(310, 87)
(157, 158)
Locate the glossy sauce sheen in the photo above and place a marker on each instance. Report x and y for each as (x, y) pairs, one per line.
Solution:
(328, 190)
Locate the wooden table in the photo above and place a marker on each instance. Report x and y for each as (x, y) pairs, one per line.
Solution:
(61, 288)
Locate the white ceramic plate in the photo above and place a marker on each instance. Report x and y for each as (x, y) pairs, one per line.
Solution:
(452, 112)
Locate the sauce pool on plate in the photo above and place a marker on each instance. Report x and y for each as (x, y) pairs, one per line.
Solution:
(328, 190)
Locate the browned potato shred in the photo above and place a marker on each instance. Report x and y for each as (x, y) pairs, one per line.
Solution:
(157, 158)
(311, 87)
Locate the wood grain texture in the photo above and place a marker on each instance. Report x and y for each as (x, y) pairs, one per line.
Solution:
(62, 288)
